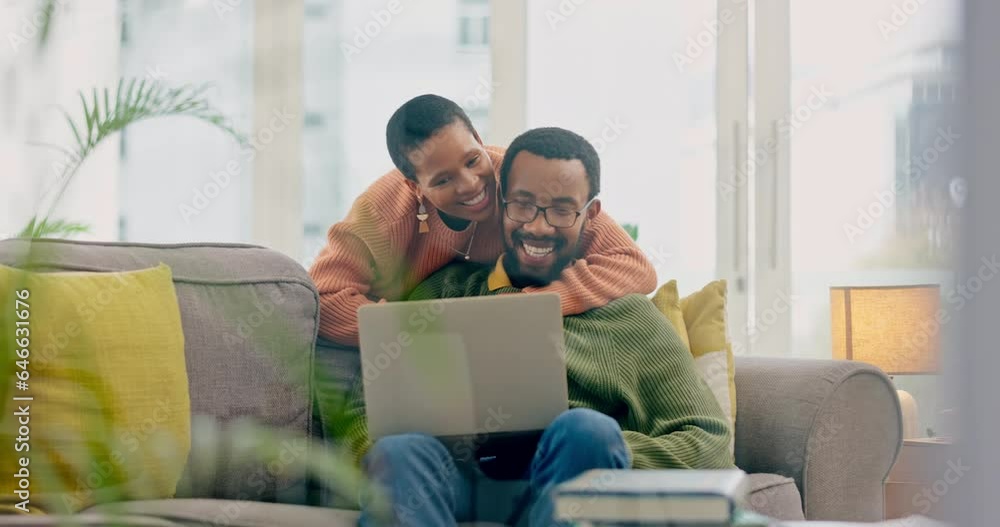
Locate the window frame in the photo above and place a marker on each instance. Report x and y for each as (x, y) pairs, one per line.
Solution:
(277, 221)
(770, 323)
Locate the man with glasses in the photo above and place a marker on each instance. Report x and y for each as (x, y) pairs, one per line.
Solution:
(636, 399)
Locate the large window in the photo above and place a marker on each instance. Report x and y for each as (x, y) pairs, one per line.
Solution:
(874, 185)
(642, 90)
(181, 180)
(874, 188)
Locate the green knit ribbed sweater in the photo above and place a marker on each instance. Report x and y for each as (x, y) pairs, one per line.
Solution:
(624, 360)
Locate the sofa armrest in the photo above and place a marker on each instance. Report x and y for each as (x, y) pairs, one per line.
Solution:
(833, 426)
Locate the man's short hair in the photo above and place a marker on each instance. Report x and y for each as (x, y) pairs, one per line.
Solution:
(413, 123)
(554, 143)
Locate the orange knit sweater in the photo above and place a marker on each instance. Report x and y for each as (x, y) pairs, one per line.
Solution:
(376, 253)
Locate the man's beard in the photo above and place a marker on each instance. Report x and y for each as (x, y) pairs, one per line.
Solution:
(520, 279)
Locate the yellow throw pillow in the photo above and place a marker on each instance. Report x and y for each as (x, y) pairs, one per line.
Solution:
(668, 302)
(700, 319)
(109, 416)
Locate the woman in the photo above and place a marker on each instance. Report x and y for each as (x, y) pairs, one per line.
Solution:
(441, 204)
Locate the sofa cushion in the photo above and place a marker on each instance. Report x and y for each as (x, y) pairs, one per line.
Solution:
(700, 321)
(249, 317)
(775, 496)
(237, 513)
(668, 301)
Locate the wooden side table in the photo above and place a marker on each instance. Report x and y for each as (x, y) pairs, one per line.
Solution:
(922, 478)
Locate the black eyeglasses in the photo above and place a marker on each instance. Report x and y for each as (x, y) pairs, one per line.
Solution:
(557, 216)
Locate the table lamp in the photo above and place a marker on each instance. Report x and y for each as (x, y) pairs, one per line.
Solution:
(893, 328)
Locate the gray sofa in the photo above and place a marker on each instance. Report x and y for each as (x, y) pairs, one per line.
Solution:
(818, 437)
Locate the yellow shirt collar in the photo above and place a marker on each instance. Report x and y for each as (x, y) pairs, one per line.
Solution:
(498, 278)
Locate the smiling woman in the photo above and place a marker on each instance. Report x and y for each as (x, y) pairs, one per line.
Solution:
(433, 143)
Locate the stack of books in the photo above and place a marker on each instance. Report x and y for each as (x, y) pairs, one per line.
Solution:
(699, 498)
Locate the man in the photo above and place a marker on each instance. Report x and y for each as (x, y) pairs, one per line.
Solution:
(636, 398)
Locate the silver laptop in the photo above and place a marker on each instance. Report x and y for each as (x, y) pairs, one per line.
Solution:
(463, 367)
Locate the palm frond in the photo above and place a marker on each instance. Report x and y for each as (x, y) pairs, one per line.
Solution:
(57, 148)
(132, 102)
(52, 228)
(45, 27)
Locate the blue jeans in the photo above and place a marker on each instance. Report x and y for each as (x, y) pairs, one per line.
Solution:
(426, 487)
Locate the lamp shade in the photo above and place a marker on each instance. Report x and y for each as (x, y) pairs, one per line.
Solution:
(893, 327)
